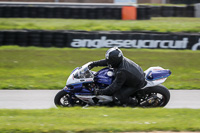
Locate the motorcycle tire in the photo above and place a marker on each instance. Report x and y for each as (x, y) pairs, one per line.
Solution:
(59, 96)
(63, 99)
(162, 91)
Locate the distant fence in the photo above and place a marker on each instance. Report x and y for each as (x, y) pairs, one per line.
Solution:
(77, 11)
(99, 39)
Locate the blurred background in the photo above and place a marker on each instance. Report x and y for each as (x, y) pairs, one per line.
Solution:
(28, 33)
(113, 1)
(41, 39)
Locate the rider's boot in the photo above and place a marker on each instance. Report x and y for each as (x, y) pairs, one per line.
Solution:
(132, 102)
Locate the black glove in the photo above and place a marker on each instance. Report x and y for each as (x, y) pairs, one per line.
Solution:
(98, 92)
(91, 65)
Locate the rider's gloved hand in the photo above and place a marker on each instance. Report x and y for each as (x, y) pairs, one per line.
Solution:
(91, 65)
(98, 92)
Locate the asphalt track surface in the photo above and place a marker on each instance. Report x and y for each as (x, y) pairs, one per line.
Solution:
(44, 99)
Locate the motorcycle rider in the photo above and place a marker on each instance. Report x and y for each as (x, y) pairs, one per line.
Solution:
(129, 77)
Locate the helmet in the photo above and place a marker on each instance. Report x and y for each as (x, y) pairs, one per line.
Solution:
(114, 57)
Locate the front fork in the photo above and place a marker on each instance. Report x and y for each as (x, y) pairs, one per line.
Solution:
(71, 96)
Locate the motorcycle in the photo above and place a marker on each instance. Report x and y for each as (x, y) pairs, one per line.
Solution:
(82, 82)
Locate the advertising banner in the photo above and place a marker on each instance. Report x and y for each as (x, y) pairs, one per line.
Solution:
(101, 39)
(136, 40)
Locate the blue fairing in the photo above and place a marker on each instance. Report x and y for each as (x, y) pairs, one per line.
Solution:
(158, 74)
(84, 92)
(74, 88)
(102, 77)
(77, 88)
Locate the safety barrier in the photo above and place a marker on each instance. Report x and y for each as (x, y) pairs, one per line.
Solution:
(129, 13)
(172, 11)
(99, 39)
(60, 12)
(83, 12)
(125, 12)
(183, 1)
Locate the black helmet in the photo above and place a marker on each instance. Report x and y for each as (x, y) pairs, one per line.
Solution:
(114, 57)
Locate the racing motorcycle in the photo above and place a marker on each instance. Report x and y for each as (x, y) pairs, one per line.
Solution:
(82, 82)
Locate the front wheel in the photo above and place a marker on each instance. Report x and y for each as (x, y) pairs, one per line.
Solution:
(157, 96)
(63, 99)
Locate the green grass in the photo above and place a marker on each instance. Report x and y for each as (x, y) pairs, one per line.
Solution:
(48, 68)
(155, 24)
(99, 119)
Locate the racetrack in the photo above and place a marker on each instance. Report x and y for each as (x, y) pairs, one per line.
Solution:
(44, 99)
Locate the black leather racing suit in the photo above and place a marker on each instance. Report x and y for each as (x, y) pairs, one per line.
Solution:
(129, 77)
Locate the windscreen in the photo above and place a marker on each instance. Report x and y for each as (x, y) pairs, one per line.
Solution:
(83, 72)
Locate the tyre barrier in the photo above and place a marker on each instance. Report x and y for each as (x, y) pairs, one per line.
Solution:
(143, 13)
(71, 12)
(99, 39)
(183, 1)
(10, 11)
(93, 12)
(172, 11)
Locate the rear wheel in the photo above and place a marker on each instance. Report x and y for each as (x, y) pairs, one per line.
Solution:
(157, 96)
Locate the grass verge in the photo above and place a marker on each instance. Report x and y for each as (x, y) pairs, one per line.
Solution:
(48, 68)
(155, 24)
(99, 119)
